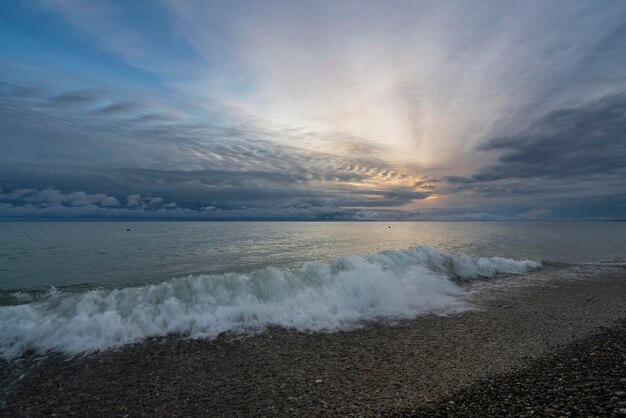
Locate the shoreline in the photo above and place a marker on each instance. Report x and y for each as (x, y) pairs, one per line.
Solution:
(377, 370)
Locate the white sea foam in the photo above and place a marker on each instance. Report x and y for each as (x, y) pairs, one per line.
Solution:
(337, 295)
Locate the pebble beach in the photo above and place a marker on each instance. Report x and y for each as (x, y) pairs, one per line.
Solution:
(517, 353)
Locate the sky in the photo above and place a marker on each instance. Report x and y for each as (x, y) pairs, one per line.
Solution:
(313, 110)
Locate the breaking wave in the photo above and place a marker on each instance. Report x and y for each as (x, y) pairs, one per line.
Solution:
(319, 296)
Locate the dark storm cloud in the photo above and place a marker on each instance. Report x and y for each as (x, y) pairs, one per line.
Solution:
(570, 151)
(567, 143)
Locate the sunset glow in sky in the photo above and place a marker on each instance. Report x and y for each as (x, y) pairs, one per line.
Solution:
(301, 110)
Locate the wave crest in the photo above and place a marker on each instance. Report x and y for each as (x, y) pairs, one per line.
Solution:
(319, 296)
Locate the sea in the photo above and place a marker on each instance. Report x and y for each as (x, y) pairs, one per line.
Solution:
(81, 287)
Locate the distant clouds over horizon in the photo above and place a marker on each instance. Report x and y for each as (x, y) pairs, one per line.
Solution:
(348, 110)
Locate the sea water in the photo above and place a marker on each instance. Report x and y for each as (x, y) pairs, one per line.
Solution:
(79, 287)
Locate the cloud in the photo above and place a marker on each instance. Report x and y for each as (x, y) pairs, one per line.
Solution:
(186, 155)
(571, 152)
(172, 211)
(114, 29)
(355, 110)
(52, 196)
(536, 214)
(369, 71)
(570, 142)
(49, 195)
(424, 81)
(55, 203)
(82, 199)
(134, 200)
(109, 201)
(474, 216)
(17, 194)
(75, 98)
(120, 108)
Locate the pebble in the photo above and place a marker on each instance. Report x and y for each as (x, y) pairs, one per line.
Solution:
(570, 382)
(366, 373)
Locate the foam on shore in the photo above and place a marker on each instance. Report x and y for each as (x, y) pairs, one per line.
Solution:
(319, 296)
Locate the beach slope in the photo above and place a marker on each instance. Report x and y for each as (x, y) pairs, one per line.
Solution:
(406, 368)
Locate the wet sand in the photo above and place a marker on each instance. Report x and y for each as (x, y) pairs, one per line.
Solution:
(377, 370)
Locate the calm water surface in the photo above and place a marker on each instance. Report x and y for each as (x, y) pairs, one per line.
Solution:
(37, 255)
